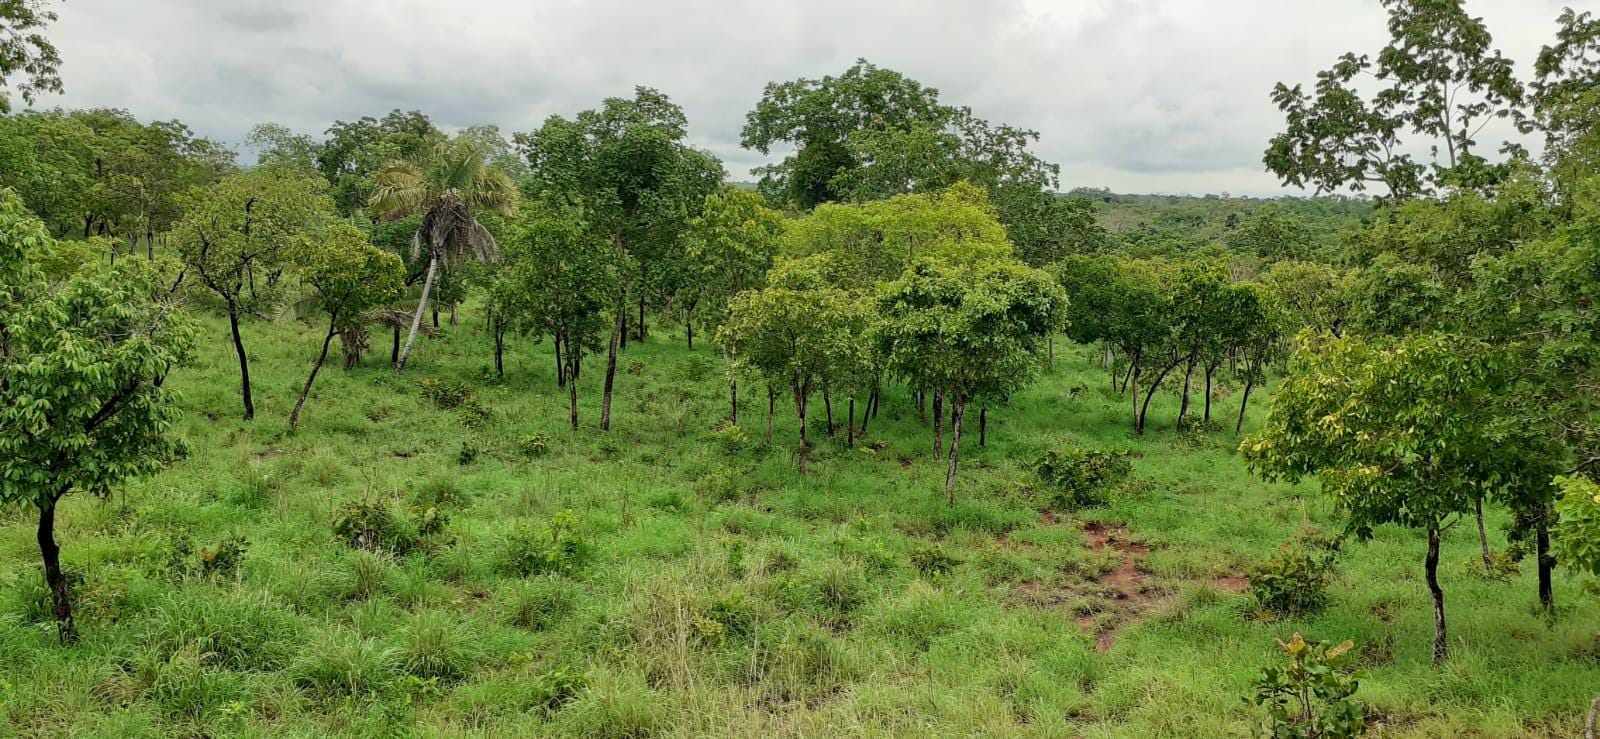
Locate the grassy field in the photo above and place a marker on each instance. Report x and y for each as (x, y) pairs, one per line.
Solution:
(709, 589)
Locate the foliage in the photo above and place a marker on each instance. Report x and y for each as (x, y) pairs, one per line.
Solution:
(26, 53)
(557, 549)
(1294, 581)
(1078, 478)
(1310, 698)
(375, 526)
(1577, 530)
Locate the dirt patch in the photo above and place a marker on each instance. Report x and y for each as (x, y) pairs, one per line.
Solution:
(1231, 583)
(1101, 604)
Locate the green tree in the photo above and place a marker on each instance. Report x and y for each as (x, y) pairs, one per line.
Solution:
(968, 332)
(236, 234)
(639, 183)
(445, 181)
(84, 351)
(1441, 81)
(1271, 235)
(1400, 431)
(350, 276)
(25, 52)
(356, 151)
(560, 277)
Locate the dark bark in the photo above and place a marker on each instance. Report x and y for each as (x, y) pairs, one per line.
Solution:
(827, 405)
(436, 316)
(499, 347)
(1151, 393)
(1441, 638)
(1546, 561)
(563, 372)
(1183, 405)
(641, 319)
(850, 425)
(938, 424)
(294, 416)
(983, 426)
(1483, 537)
(1211, 369)
(618, 330)
(1243, 404)
(60, 593)
(957, 410)
(733, 401)
(772, 405)
(394, 351)
(801, 392)
(572, 401)
(244, 361)
(688, 327)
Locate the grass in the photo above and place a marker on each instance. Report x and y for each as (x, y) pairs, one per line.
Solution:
(708, 586)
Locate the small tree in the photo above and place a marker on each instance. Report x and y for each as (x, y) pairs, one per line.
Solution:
(234, 237)
(968, 332)
(1400, 431)
(83, 356)
(560, 278)
(350, 276)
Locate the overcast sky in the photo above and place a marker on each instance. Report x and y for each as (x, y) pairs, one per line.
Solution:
(1137, 95)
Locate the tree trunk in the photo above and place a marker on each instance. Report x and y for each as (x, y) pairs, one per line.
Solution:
(149, 245)
(957, 410)
(619, 331)
(1210, 370)
(1483, 538)
(499, 347)
(688, 327)
(572, 399)
(733, 401)
(1547, 562)
(1441, 639)
(563, 371)
(1051, 342)
(983, 426)
(416, 320)
(294, 416)
(394, 348)
(452, 314)
(1594, 715)
(435, 316)
(850, 425)
(60, 595)
(641, 319)
(866, 413)
(1133, 377)
(800, 393)
(244, 361)
(827, 405)
(1183, 405)
(1151, 393)
(1243, 404)
(938, 424)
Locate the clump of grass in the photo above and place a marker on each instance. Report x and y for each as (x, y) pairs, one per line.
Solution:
(436, 646)
(536, 604)
(240, 631)
(340, 664)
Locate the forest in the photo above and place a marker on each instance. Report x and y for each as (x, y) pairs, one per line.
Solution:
(406, 430)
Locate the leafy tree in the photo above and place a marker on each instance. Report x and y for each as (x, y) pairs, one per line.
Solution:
(1310, 295)
(356, 151)
(278, 145)
(350, 276)
(1400, 431)
(1565, 97)
(445, 181)
(1045, 227)
(1271, 235)
(627, 164)
(25, 52)
(1441, 83)
(561, 277)
(968, 332)
(799, 332)
(1393, 298)
(235, 235)
(84, 351)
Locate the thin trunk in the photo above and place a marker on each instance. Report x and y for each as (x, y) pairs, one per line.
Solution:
(394, 348)
(1183, 406)
(1483, 538)
(294, 416)
(563, 372)
(800, 393)
(733, 401)
(244, 361)
(499, 348)
(149, 245)
(572, 401)
(452, 314)
(1133, 363)
(1052, 344)
(938, 424)
(827, 405)
(1243, 404)
(641, 319)
(688, 327)
(1133, 377)
(1210, 370)
(772, 405)
(1144, 410)
(850, 425)
(983, 425)
(1547, 562)
(957, 410)
(60, 595)
(435, 316)
(1594, 717)
(618, 330)
(1441, 639)
(416, 320)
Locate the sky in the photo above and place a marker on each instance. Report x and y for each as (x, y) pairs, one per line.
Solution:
(1167, 96)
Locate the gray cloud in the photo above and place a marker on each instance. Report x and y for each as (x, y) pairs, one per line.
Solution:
(1138, 95)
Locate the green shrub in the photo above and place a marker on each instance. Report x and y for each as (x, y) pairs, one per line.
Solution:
(557, 548)
(731, 439)
(533, 445)
(1294, 581)
(933, 560)
(472, 447)
(446, 395)
(1078, 478)
(723, 485)
(1311, 696)
(224, 559)
(374, 526)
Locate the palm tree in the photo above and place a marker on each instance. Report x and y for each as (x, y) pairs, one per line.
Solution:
(445, 181)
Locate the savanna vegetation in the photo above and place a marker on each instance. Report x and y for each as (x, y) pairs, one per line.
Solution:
(898, 441)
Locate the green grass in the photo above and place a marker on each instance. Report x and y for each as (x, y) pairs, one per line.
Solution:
(714, 591)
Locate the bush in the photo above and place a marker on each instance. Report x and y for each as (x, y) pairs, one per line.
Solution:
(1311, 696)
(933, 561)
(731, 439)
(533, 445)
(724, 485)
(1078, 478)
(1295, 581)
(537, 604)
(471, 449)
(373, 526)
(224, 559)
(446, 395)
(696, 369)
(556, 549)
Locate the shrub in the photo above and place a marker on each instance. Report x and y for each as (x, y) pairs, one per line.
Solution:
(224, 559)
(1294, 581)
(373, 526)
(933, 561)
(1078, 478)
(533, 445)
(471, 449)
(731, 439)
(435, 647)
(341, 664)
(537, 604)
(1310, 697)
(558, 548)
(446, 395)
(724, 485)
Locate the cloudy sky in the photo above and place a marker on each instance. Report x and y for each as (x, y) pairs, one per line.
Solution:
(1138, 95)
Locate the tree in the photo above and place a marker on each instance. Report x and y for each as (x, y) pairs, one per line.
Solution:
(627, 164)
(1271, 235)
(1441, 83)
(561, 276)
(1309, 295)
(799, 332)
(350, 276)
(84, 353)
(444, 181)
(1566, 103)
(25, 52)
(969, 332)
(278, 145)
(235, 236)
(355, 151)
(1400, 431)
